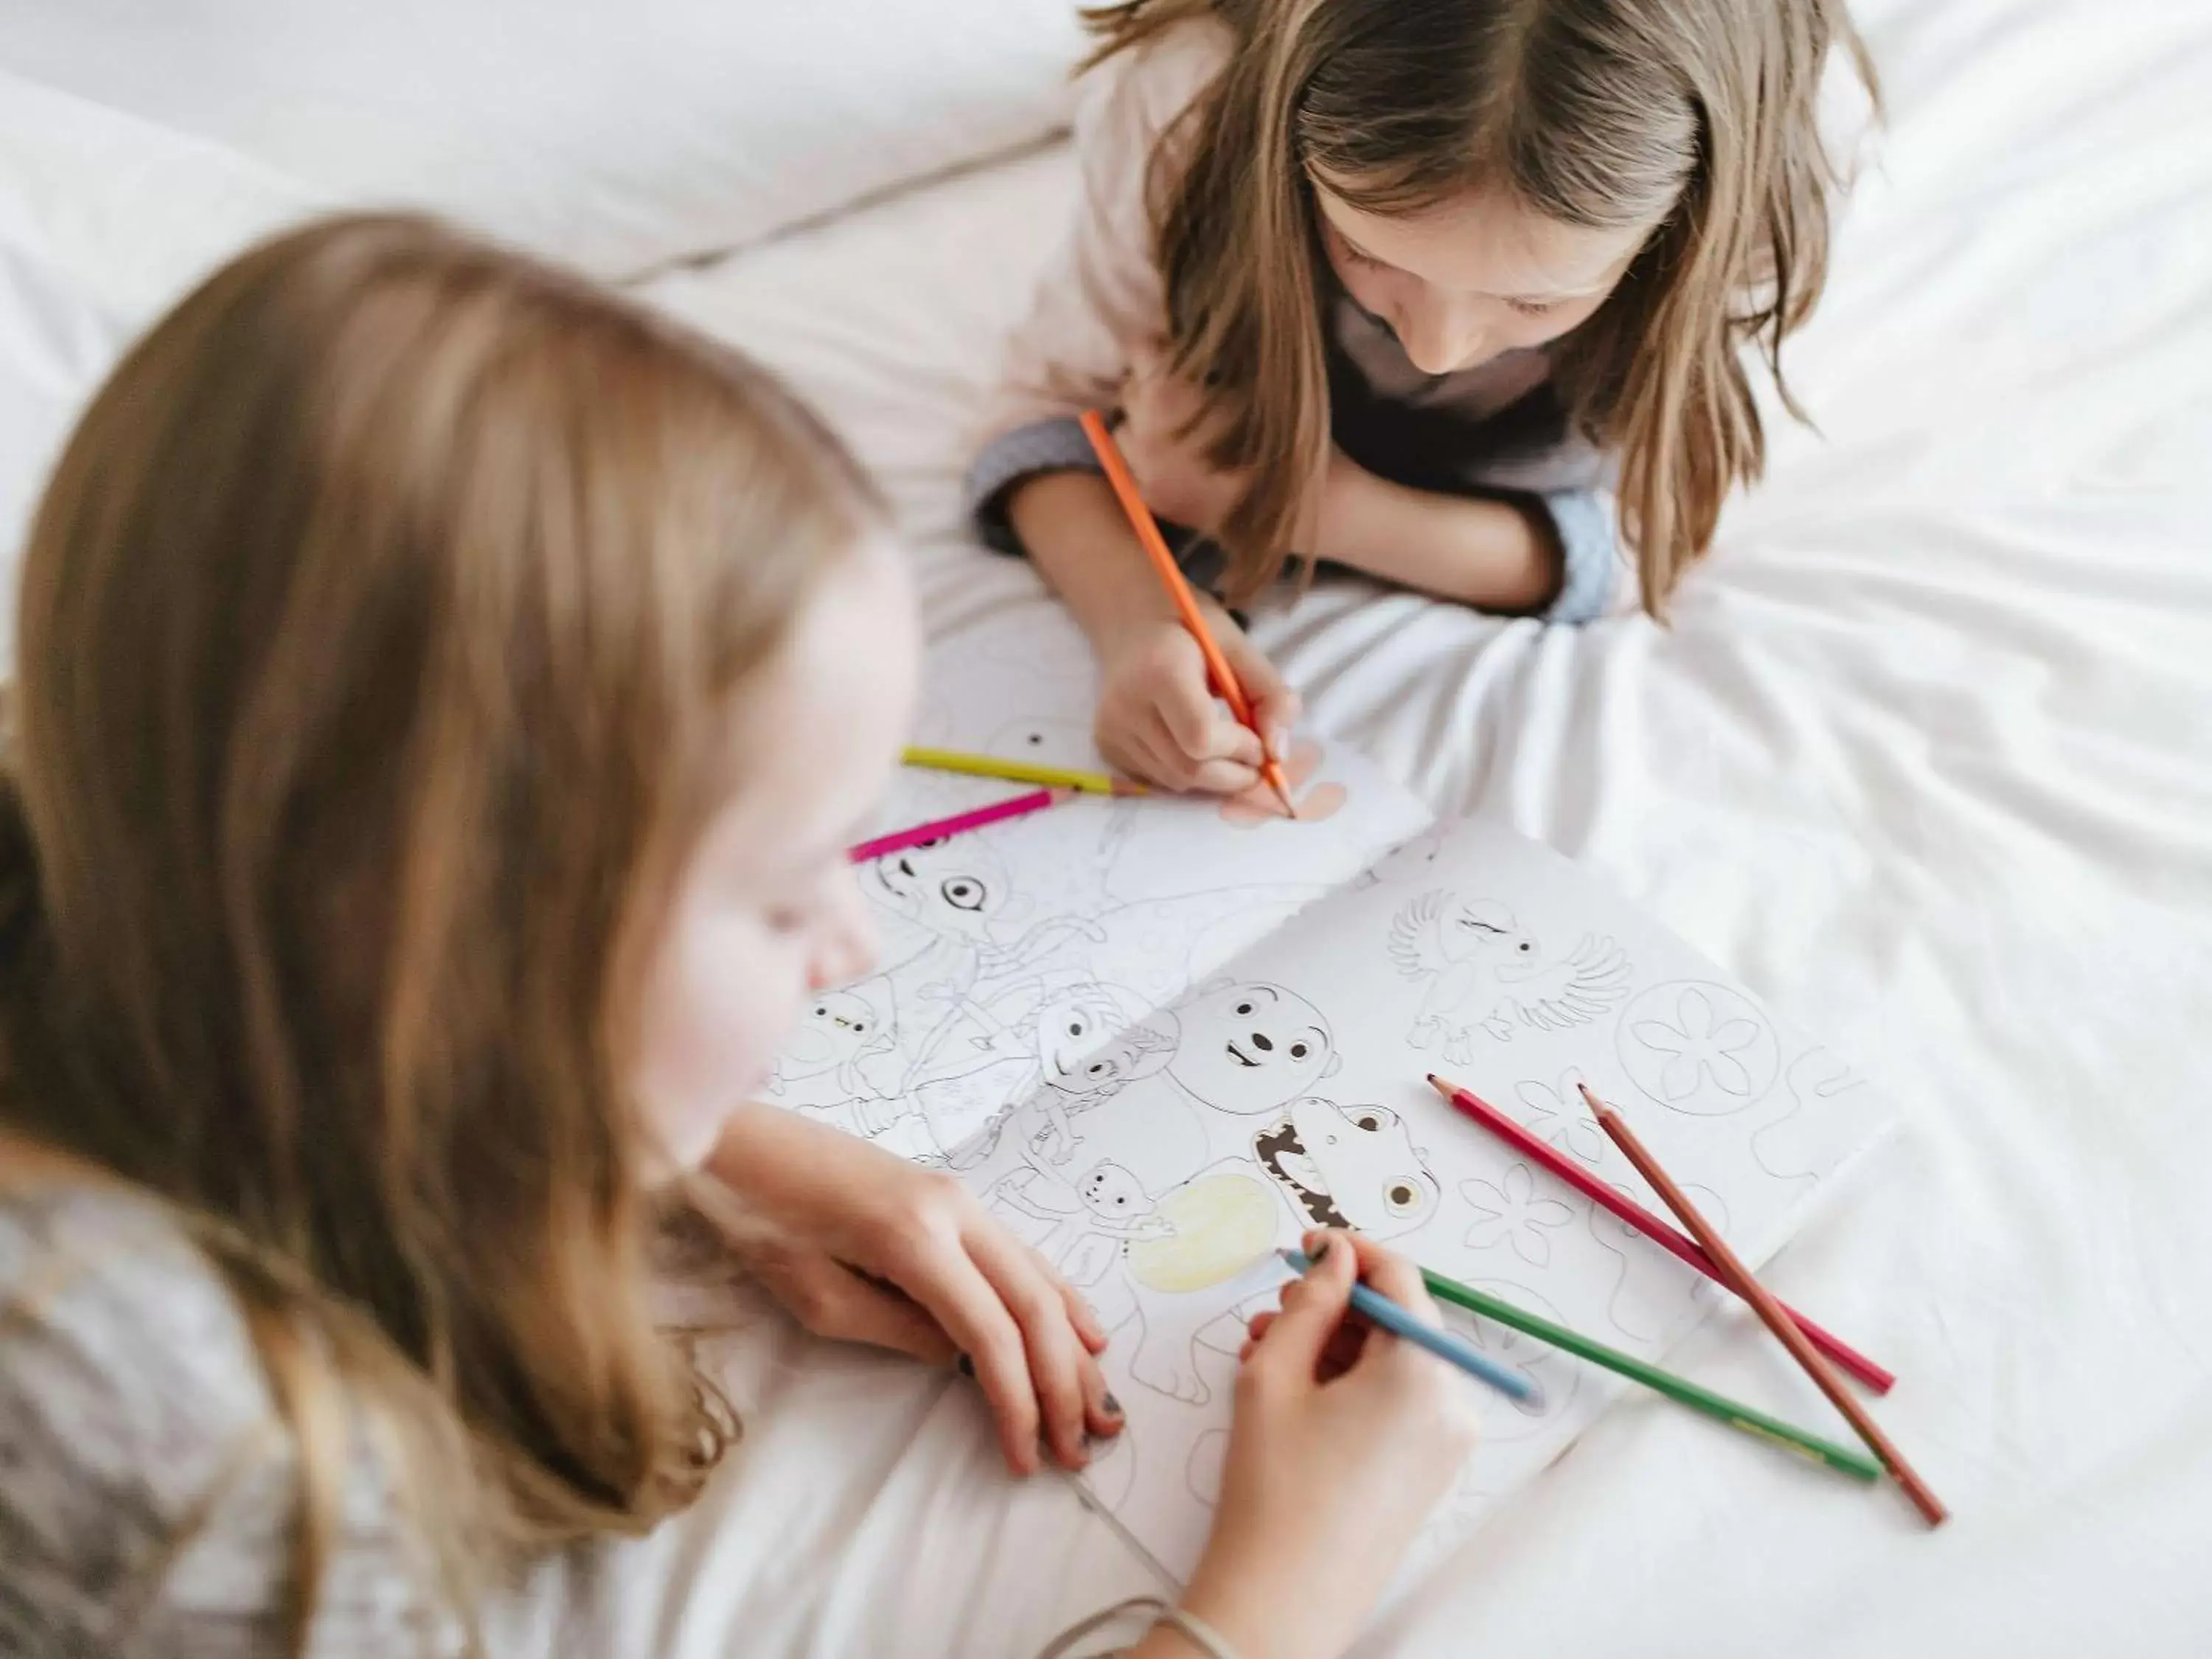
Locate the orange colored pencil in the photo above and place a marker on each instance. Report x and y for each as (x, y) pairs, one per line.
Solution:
(1155, 545)
(1739, 1279)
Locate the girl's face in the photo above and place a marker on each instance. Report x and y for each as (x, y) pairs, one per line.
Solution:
(766, 913)
(1481, 275)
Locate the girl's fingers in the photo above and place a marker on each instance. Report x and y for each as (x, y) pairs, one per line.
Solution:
(1275, 707)
(1201, 728)
(832, 1301)
(1396, 1277)
(956, 1293)
(1057, 1357)
(1080, 1313)
(1313, 1308)
(1213, 777)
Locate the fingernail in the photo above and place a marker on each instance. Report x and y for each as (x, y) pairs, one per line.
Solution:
(1113, 1406)
(964, 1365)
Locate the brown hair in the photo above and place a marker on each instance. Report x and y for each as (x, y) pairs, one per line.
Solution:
(378, 632)
(1695, 116)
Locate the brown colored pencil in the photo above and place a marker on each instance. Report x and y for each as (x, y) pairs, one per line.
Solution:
(1770, 1311)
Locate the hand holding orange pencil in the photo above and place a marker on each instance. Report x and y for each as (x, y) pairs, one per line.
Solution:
(1226, 683)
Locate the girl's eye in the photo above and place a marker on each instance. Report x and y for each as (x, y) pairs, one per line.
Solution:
(1298, 1051)
(1534, 307)
(962, 894)
(1075, 1028)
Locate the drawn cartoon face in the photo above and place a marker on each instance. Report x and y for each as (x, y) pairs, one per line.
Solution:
(1048, 742)
(1072, 1025)
(1249, 1047)
(1485, 927)
(1350, 1166)
(1111, 1193)
(954, 887)
(837, 1026)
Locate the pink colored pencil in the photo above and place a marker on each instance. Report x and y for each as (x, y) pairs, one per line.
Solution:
(959, 823)
(1667, 1238)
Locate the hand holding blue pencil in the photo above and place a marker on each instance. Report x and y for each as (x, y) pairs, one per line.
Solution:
(1386, 1315)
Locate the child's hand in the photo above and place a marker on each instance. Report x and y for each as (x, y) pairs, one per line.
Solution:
(1159, 719)
(1344, 1438)
(864, 1247)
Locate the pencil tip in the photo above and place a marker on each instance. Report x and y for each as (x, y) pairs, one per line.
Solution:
(1593, 1101)
(1441, 1086)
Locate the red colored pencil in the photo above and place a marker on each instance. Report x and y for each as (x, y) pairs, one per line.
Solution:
(1668, 1238)
(937, 829)
(1771, 1313)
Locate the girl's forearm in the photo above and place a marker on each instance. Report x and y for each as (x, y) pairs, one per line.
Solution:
(1072, 527)
(1489, 553)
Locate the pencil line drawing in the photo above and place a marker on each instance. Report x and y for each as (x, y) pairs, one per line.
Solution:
(1510, 1211)
(1248, 1046)
(1698, 1048)
(1811, 1134)
(1484, 975)
(1654, 1295)
(1349, 1166)
(1203, 1469)
(1180, 1278)
(1554, 1376)
(1556, 1115)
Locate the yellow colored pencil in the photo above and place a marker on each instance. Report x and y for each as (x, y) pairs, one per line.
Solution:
(992, 766)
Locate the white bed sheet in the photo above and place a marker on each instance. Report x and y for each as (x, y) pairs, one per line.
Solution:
(1926, 756)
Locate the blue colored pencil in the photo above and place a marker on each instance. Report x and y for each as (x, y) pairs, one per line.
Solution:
(1381, 1310)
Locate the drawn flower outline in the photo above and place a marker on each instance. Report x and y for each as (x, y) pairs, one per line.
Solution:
(1512, 1212)
(1558, 1117)
(1698, 1049)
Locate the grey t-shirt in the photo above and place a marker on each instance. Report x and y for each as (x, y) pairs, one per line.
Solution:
(148, 1486)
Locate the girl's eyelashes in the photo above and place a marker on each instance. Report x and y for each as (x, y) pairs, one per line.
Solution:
(1534, 307)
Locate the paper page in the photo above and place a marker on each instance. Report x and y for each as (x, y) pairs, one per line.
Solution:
(1288, 1090)
(1027, 954)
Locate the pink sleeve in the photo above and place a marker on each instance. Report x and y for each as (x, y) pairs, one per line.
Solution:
(1100, 294)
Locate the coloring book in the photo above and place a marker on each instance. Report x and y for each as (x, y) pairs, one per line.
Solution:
(1159, 1038)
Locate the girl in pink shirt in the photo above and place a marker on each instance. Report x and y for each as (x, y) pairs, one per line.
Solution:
(1450, 292)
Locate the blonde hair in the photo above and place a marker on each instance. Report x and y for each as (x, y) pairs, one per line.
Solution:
(1697, 117)
(378, 636)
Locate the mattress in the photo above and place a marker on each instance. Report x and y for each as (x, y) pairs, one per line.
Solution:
(1925, 754)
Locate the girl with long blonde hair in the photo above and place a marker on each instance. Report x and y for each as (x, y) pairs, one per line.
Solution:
(1456, 293)
(436, 739)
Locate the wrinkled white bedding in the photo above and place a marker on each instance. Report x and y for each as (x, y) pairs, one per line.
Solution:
(1926, 755)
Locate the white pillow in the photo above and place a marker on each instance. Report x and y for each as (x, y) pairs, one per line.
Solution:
(616, 134)
(104, 222)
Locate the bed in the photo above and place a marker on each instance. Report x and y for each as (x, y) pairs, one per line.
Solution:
(1925, 756)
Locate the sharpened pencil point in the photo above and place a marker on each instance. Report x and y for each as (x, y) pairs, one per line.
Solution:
(1590, 1099)
(1441, 1086)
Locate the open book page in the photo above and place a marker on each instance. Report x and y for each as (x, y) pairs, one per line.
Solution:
(1027, 954)
(1287, 1089)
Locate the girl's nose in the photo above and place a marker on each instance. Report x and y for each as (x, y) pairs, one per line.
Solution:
(1438, 338)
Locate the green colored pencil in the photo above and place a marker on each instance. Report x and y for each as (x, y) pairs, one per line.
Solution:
(1682, 1390)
